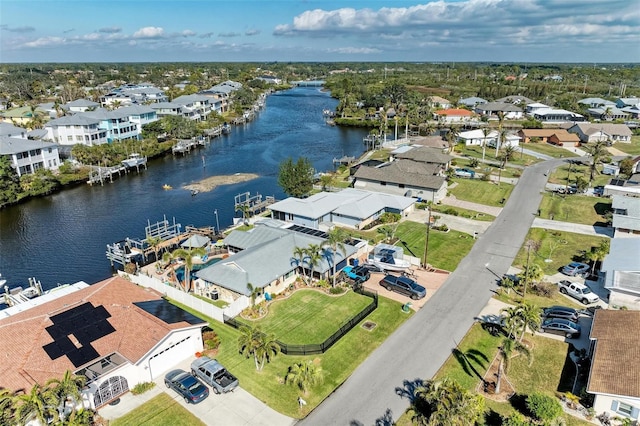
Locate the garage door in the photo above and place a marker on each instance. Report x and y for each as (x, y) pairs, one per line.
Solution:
(170, 356)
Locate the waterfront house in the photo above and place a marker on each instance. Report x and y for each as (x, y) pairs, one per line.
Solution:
(593, 132)
(596, 103)
(627, 102)
(76, 129)
(113, 332)
(516, 100)
(221, 94)
(123, 123)
(549, 115)
(194, 107)
(614, 373)
(607, 113)
(27, 156)
(477, 138)
(163, 109)
(438, 102)
(248, 264)
(352, 208)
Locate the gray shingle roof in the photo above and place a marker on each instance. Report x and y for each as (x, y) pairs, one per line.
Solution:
(82, 103)
(426, 154)
(8, 129)
(73, 120)
(498, 106)
(10, 146)
(421, 175)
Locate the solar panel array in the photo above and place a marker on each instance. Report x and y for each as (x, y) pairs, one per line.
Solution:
(87, 323)
(167, 312)
(309, 231)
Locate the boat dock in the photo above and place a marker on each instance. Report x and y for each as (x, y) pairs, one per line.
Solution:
(344, 160)
(252, 204)
(98, 174)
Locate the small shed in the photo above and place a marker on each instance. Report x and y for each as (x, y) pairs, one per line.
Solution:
(195, 241)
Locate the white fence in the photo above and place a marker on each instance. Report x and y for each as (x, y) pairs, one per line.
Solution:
(186, 299)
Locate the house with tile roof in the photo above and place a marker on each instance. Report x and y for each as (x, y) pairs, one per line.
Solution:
(114, 333)
(593, 132)
(453, 115)
(559, 137)
(614, 376)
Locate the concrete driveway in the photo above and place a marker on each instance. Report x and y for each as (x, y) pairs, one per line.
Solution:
(237, 408)
(431, 281)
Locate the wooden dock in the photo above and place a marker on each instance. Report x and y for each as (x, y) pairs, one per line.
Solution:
(252, 204)
(98, 174)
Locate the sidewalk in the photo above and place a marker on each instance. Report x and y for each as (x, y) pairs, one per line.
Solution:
(462, 224)
(451, 200)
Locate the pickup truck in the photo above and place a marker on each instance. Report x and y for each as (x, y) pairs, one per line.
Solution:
(357, 273)
(578, 291)
(212, 373)
(403, 285)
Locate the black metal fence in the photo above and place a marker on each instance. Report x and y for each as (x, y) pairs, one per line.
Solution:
(319, 348)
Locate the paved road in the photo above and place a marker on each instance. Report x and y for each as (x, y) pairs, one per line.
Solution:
(421, 345)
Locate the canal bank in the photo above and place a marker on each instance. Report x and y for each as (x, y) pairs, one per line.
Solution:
(62, 238)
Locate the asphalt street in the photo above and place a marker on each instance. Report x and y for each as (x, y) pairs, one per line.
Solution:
(378, 389)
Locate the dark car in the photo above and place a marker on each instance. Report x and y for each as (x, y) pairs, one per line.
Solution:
(403, 285)
(191, 389)
(563, 312)
(575, 269)
(565, 327)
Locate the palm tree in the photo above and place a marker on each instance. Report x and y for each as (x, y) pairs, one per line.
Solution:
(448, 403)
(531, 318)
(39, 404)
(154, 243)
(512, 321)
(500, 115)
(452, 137)
(485, 132)
(299, 254)
(597, 254)
(313, 258)
(597, 151)
(245, 210)
(507, 154)
(69, 387)
(506, 350)
(187, 255)
(335, 240)
(530, 245)
(254, 292)
(253, 342)
(7, 407)
(304, 375)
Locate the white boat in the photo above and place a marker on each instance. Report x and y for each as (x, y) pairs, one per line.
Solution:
(389, 259)
(135, 160)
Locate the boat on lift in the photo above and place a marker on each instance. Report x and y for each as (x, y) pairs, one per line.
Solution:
(135, 160)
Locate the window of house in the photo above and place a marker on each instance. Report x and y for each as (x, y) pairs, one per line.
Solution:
(69, 138)
(625, 409)
(79, 138)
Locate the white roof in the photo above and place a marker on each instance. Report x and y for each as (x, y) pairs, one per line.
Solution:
(477, 134)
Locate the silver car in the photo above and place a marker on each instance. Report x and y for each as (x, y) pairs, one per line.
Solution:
(565, 327)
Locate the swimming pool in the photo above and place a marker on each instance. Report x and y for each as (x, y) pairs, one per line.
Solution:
(196, 268)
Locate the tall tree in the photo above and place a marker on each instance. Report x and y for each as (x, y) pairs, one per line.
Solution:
(186, 255)
(597, 151)
(38, 404)
(68, 387)
(9, 182)
(508, 347)
(299, 255)
(313, 258)
(7, 407)
(253, 342)
(335, 241)
(296, 179)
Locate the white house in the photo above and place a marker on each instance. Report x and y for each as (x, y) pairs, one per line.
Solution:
(80, 105)
(626, 216)
(477, 137)
(492, 109)
(76, 129)
(28, 155)
(621, 270)
(531, 108)
(114, 333)
(614, 376)
(555, 115)
(592, 132)
(194, 107)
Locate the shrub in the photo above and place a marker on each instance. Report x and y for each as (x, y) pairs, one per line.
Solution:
(474, 162)
(142, 387)
(211, 339)
(337, 290)
(544, 289)
(450, 211)
(543, 407)
(389, 217)
(515, 419)
(486, 177)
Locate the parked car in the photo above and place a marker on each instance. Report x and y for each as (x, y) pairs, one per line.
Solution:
(578, 291)
(598, 191)
(466, 173)
(191, 389)
(357, 273)
(563, 312)
(574, 269)
(403, 285)
(211, 372)
(565, 327)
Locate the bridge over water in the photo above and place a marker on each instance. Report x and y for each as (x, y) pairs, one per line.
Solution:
(308, 83)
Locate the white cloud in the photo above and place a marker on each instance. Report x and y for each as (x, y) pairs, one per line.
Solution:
(46, 42)
(149, 32)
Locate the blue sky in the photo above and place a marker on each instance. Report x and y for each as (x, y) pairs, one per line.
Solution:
(592, 31)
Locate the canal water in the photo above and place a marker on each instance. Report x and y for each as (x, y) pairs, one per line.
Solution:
(62, 238)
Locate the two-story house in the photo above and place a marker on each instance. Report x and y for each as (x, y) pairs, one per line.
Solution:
(27, 156)
(76, 129)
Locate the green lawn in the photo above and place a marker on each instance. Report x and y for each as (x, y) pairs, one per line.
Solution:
(459, 211)
(310, 316)
(547, 372)
(572, 171)
(159, 411)
(575, 208)
(632, 148)
(560, 247)
(446, 249)
(337, 363)
(550, 150)
(490, 155)
(481, 192)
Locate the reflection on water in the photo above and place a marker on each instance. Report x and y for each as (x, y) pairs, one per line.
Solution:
(63, 238)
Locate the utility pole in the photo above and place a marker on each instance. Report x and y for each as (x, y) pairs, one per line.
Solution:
(425, 265)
